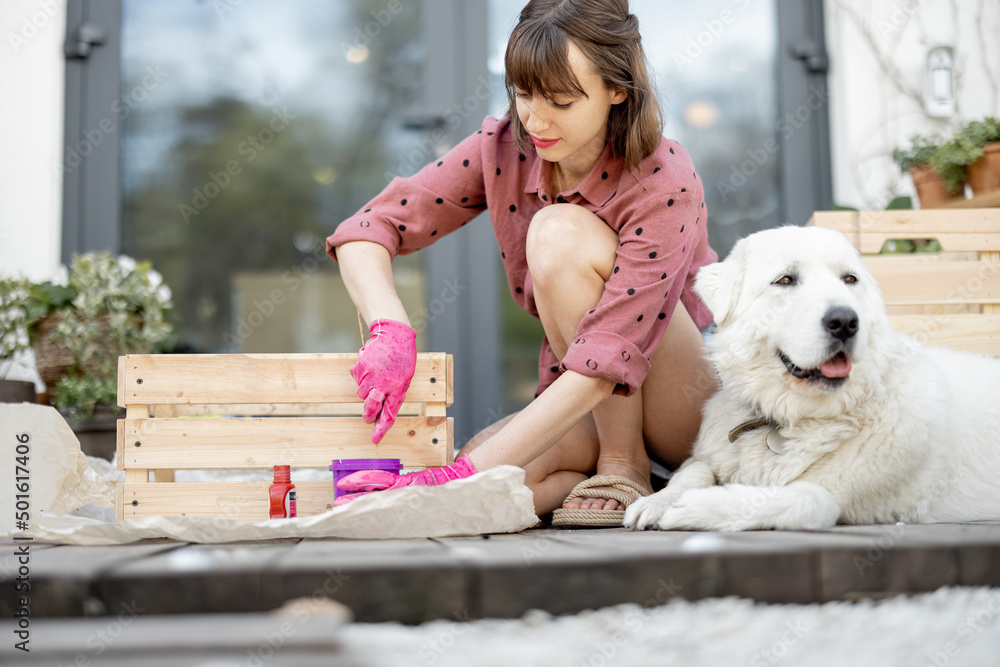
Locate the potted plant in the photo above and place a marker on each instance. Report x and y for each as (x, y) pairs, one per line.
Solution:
(917, 160)
(15, 344)
(108, 308)
(984, 172)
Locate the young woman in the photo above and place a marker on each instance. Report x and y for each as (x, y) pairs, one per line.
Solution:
(601, 224)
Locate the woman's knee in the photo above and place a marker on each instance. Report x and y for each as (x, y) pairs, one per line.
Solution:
(563, 236)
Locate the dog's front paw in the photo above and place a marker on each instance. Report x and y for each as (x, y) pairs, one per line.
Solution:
(645, 513)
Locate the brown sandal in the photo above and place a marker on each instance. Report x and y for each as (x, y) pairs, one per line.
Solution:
(610, 487)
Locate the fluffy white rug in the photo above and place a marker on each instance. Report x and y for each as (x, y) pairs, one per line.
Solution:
(956, 626)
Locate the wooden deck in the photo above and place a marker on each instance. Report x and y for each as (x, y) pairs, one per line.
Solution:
(186, 604)
(560, 571)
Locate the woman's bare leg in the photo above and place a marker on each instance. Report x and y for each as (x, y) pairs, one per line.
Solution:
(553, 474)
(571, 254)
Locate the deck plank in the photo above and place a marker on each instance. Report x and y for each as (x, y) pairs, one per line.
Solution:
(560, 571)
(61, 576)
(197, 578)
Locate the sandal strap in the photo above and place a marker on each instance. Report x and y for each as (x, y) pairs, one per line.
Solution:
(609, 487)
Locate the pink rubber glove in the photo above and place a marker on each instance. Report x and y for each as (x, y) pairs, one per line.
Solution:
(366, 481)
(383, 373)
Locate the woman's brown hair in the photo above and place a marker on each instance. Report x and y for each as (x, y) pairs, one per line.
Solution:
(537, 62)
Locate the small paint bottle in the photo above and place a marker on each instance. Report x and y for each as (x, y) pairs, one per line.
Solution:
(279, 492)
(292, 512)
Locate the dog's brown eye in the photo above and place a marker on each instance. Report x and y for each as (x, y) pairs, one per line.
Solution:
(850, 280)
(785, 280)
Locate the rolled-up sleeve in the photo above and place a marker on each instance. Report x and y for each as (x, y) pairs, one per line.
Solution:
(657, 242)
(411, 213)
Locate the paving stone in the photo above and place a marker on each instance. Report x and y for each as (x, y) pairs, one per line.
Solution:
(979, 565)
(567, 588)
(61, 577)
(921, 569)
(410, 581)
(561, 571)
(775, 578)
(192, 579)
(177, 640)
(847, 573)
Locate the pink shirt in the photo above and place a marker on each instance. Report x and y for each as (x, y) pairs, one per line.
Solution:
(658, 213)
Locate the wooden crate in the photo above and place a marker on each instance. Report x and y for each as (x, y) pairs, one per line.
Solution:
(950, 299)
(255, 411)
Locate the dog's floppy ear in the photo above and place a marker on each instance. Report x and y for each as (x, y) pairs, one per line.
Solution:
(718, 285)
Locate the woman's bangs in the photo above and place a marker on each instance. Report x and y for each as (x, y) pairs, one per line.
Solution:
(537, 61)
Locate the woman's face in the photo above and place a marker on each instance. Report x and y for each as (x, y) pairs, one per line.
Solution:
(570, 127)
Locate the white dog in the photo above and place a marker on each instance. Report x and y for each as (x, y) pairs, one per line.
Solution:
(825, 413)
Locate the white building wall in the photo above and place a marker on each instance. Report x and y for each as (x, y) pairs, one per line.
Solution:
(878, 51)
(31, 126)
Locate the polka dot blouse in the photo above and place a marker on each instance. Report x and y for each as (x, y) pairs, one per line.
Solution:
(658, 213)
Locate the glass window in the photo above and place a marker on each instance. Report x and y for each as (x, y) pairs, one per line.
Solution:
(251, 130)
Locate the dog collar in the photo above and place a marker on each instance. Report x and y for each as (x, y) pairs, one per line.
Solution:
(751, 425)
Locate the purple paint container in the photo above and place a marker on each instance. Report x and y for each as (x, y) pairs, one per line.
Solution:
(343, 467)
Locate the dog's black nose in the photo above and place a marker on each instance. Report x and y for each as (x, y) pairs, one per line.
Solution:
(842, 323)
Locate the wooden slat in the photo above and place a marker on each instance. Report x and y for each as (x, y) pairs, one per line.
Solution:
(957, 242)
(904, 282)
(906, 222)
(304, 442)
(242, 501)
(971, 333)
(957, 231)
(450, 375)
(274, 410)
(941, 309)
(248, 378)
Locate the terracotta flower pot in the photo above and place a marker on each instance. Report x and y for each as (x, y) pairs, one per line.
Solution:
(930, 188)
(984, 173)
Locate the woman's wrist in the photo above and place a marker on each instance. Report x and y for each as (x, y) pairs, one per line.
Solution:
(366, 269)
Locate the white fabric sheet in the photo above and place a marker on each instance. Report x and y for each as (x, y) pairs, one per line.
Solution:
(72, 500)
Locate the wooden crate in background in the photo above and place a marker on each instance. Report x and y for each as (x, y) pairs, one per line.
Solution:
(950, 299)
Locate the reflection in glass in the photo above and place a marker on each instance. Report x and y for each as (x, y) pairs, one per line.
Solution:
(273, 122)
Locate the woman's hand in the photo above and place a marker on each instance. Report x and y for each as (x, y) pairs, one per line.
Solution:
(383, 373)
(365, 481)
(385, 363)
